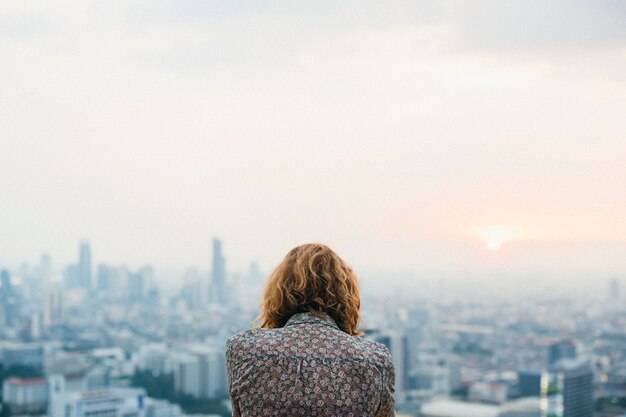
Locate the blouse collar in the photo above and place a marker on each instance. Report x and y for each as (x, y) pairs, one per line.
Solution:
(310, 318)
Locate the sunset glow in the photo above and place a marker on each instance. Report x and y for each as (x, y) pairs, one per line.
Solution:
(494, 242)
(495, 237)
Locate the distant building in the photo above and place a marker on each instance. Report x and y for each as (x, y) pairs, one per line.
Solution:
(437, 375)
(200, 371)
(84, 266)
(432, 378)
(186, 369)
(67, 363)
(104, 278)
(564, 349)
(212, 372)
(9, 302)
(414, 322)
(529, 383)
(6, 289)
(577, 389)
(136, 285)
(153, 357)
(398, 345)
(21, 354)
(162, 408)
(217, 288)
(488, 392)
(53, 310)
(112, 280)
(109, 402)
(25, 395)
(71, 276)
(568, 390)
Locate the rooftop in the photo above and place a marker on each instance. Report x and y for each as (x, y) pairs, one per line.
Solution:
(24, 381)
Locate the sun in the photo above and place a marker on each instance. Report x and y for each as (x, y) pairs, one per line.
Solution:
(495, 237)
(494, 242)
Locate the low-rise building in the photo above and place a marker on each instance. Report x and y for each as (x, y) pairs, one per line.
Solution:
(25, 395)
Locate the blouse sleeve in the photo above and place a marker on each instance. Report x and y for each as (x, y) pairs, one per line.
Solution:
(231, 378)
(387, 404)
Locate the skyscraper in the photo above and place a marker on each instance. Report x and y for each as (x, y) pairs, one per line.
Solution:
(53, 313)
(397, 343)
(84, 266)
(9, 305)
(568, 390)
(217, 289)
(5, 284)
(577, 389)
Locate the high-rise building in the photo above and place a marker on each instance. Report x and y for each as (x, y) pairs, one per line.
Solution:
(71, 276)
(103, 278)
(577, 389)
(212, 370)
(53, 312)
(5, 284)
(217, 289)
(397, 343)
(564, 349)
(136, 286)
(84, 266)
(9, 305)
(186, 370)
(567, 390)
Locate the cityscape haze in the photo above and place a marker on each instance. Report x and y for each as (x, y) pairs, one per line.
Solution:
(467, 159)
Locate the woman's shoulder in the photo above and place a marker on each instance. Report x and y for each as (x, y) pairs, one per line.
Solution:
(242, 340)
(374, 350)
(243, 336)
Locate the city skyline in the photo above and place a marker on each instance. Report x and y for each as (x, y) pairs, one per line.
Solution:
(95, 273)
(123, 337)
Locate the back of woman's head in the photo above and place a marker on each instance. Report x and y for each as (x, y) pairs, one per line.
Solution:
(312, 278)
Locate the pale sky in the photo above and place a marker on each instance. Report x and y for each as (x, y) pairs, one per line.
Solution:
(404, 134)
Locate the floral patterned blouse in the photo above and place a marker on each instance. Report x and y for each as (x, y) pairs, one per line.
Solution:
(310, 368)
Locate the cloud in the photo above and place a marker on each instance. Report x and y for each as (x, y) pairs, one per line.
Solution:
(535, 26)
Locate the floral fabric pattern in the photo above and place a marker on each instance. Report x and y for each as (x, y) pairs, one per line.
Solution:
(310, 368)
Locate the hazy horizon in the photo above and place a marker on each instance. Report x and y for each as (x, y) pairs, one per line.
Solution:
(437, 135)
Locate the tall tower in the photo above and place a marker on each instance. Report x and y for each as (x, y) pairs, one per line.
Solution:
(577, 391)
(6, 290)
(84, 266)
(397, 343)
(568, 390)
(217, 289)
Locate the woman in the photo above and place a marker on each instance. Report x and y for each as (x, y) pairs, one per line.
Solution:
(307, 358)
